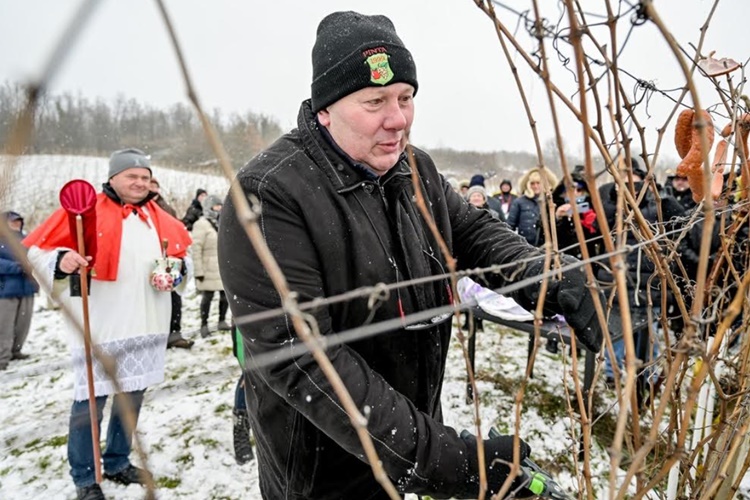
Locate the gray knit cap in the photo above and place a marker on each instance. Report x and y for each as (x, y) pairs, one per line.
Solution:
(127, 158)
(476, 189)
(208, 207)
(211, 201)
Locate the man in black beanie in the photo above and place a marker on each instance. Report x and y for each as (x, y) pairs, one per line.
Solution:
(337, 209)
(195, 210)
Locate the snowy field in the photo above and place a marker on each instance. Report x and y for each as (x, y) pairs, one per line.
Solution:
(36, 181)
(186, 427)
(185, 424)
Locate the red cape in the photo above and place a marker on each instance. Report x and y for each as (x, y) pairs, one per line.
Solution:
(55, 233)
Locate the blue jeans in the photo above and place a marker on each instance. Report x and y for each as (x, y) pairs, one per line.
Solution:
(240, 403)
(80, 447)
(652, 372)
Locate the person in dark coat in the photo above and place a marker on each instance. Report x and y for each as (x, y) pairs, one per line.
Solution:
(195, 210)
(639, 269)
(567, 239)
(175, 323)
(17, 291)
(337, 211)
(505, 196)
(682, 192)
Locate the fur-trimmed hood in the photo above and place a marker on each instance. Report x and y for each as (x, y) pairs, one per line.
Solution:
(542, 173)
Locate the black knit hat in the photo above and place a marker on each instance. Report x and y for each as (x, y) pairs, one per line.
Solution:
(353, 51)
(637, 169)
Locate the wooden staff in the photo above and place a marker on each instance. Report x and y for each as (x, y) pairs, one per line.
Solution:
(87, 349)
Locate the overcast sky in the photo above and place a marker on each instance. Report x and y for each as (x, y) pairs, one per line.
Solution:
(250, 55)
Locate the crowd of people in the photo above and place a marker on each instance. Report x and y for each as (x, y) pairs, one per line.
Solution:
(666, 214)
(336, 202)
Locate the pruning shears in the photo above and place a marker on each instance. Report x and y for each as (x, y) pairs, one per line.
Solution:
(536, 480)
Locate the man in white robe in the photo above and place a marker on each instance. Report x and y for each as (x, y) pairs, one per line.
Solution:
(129, 319)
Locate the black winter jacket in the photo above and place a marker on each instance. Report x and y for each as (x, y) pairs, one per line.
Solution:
(332, 229)
(192, 214)
(525, 216)
(13, 280)
(640, 267)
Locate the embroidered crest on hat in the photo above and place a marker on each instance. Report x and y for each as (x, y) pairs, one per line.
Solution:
(380, 71)
(353, 51)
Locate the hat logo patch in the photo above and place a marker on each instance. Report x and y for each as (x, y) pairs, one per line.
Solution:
(380, 71)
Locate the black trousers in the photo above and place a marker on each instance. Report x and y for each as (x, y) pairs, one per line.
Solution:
(208, 296)
(175, 323)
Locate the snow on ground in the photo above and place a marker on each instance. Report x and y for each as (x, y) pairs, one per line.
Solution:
(186, 425)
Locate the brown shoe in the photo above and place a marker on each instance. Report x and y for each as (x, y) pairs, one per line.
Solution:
(180, 343)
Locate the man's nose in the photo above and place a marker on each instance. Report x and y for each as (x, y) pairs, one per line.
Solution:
(395, 117)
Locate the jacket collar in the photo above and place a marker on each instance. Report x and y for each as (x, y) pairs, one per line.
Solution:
(343, 172)
(109, 191)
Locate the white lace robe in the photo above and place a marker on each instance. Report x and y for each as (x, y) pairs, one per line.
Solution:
(129, 320)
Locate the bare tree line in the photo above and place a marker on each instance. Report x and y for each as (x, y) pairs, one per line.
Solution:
(74, 124)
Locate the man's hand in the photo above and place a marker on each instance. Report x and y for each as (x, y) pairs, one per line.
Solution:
(72, 261)
(498, 456)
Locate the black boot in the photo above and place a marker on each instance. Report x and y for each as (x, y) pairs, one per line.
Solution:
(243, 450)
(551, 346)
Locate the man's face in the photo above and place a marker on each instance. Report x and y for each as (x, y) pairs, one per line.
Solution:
(680, 184)
(536, 186)
(131, 185)
(372, 125)
(505, 188)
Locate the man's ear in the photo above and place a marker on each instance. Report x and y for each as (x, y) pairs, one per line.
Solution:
(324, 117)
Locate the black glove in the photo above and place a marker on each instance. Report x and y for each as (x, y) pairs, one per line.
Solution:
(577, 305)
(199, 278)
(569, 296)
(498, 456)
